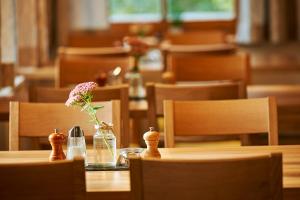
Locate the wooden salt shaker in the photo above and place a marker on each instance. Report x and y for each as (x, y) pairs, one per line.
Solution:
(151, 139)
(56, 140)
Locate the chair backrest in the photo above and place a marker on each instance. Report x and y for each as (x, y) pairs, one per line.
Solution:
(197, 37)
(84, 65)
(43, 180)
(253, 177)
(40, 119)
(157, 93)
(209, 67)
(94, 38)
(288, 103)
(226, 117)
(107, 93)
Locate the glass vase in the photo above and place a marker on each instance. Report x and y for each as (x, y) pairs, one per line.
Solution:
(136, 85)
(104, 142)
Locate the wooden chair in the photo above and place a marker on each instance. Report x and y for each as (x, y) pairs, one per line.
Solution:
(197, 37)
(288, 103)
(34, 120)
(81, 65)
(247, 178)
(43, 180)
(209, 67)
(157, 93)
(228, 117)
(94, 38)
(107, 93)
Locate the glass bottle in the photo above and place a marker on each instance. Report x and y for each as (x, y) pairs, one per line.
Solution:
(135, 81)
(104, 142)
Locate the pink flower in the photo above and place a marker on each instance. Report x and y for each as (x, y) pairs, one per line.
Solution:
(80, 93)
(73, 100)
(83, 88)
(138, 47)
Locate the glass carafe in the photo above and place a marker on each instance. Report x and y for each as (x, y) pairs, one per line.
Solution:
(104, 142)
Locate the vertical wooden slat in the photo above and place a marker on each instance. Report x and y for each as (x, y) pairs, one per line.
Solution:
(1, 30)
(8, 31)
(63, 21)
(273, 127)
(298, 18)
(136, 179)
(79, 179)
(43, 30)
(169, 123)
(27, 32)
(276, 175)
(278, 24)
(116, 118)
(14, 126)
(7, 74)
(125, 117)
(251, 21)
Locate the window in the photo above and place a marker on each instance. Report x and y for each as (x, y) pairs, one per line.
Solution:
(135, 10)
(150, 10)
(200, 9)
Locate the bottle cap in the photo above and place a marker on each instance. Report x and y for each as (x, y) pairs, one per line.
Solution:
(76, 132)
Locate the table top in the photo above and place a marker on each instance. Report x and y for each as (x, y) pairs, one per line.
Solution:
(112, 181)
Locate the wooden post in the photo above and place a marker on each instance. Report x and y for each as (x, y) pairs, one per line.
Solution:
(298, 18)
(7, 74)
(43, 14)
(278, 21)
(8, 31)
(251, 21)
(63, 24)
(27, 33)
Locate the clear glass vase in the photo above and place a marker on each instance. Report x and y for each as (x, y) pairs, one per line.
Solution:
(136, 86)
(104, 142)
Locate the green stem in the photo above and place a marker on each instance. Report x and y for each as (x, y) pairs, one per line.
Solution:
(91, 112)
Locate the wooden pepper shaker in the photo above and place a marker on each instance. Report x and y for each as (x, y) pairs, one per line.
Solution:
(151, 139)
(56, 140)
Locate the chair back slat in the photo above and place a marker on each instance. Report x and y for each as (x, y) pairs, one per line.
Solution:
(228, 117)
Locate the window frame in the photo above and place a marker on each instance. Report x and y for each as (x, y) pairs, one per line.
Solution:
(164, 16)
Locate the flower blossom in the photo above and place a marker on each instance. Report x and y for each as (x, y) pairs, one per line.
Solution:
(80, 93)
(138, 47)
(73, 100)
(83, 88)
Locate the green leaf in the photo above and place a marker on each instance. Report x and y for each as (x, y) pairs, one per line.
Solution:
(97, 107)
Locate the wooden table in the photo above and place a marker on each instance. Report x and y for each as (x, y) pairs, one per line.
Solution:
(116, 184)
